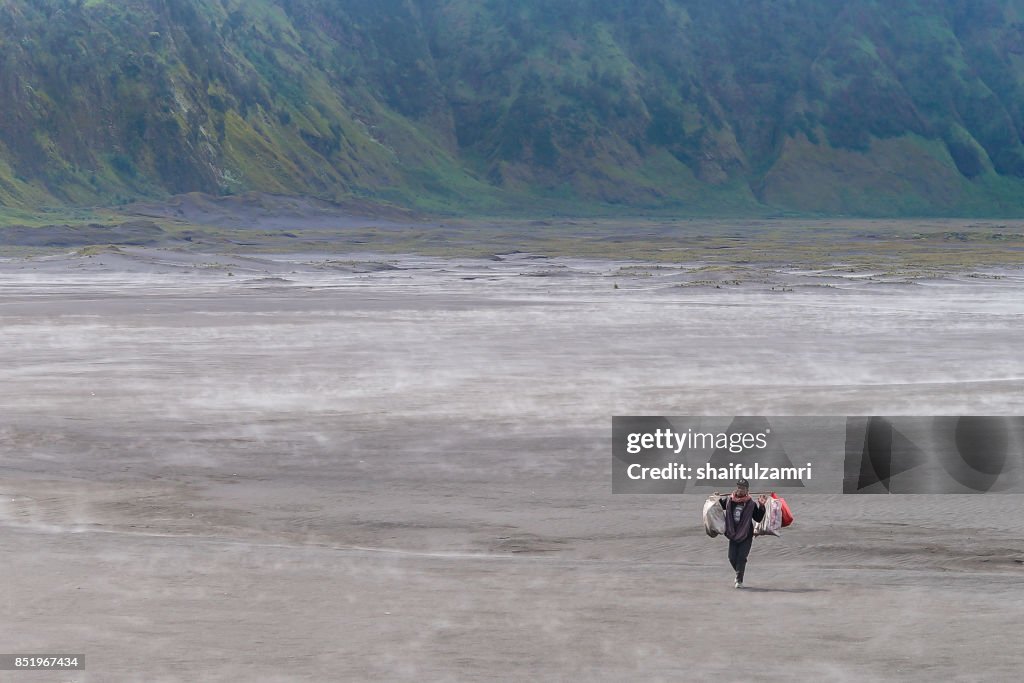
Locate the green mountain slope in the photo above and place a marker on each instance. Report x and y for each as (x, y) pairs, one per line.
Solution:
(737, 106)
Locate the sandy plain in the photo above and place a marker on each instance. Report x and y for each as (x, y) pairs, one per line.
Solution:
(311, 467)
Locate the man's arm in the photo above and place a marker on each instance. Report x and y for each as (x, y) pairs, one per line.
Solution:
(760, 508)
(759, 511)
(721, 501)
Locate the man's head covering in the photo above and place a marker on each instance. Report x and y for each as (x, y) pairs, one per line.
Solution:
(744, 483)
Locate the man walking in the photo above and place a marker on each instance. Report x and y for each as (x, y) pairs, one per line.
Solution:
(740, 514)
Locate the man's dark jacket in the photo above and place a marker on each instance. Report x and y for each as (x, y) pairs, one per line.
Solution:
(752, 512)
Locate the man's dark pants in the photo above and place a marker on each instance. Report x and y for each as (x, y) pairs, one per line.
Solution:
(738, 552)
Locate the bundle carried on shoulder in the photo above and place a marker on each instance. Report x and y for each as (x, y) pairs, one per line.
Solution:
(772, 520)
(777, 515)
(787, 515)
(714, 517)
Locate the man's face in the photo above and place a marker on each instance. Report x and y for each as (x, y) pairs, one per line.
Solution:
(741, 491)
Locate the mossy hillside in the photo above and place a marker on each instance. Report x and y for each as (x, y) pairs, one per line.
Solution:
(738, 107)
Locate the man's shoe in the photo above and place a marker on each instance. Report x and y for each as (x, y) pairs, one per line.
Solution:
(738, 584)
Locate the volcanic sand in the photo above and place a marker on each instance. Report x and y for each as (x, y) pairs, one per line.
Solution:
(310, 468)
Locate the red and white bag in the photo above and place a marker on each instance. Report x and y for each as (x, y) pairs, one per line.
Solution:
(772, 520)
(787, 515)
